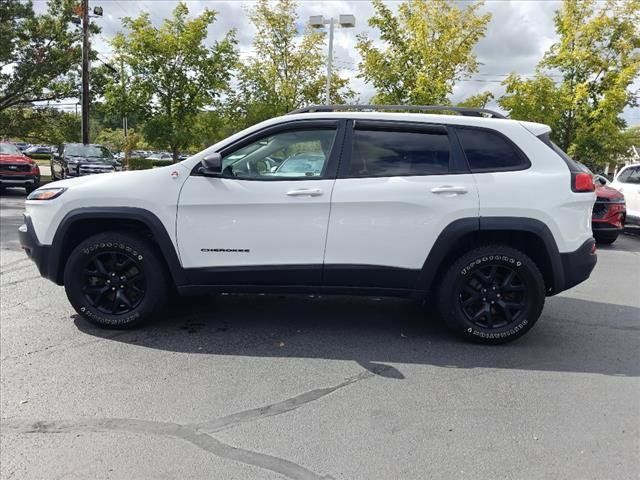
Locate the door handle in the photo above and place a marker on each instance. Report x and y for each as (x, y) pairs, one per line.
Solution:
(449, 189)
(304, 192)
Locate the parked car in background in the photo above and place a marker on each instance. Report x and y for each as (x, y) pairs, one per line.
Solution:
(609, 212)
(38, 150)
(76, 160)
(22, 146)
(627, 182)
(160, 157)
(16, 169)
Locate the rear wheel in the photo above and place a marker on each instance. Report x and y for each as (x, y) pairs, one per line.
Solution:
(492, 294)
(605, 238)
(115, 280)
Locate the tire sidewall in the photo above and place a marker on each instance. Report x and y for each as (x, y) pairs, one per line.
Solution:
(511, 258)
(136, 247)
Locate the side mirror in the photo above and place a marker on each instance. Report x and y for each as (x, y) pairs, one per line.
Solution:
(601, 181)
(212, 164)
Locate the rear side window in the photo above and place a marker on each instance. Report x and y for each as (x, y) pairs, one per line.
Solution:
(380, 153)
(630, 175)
(487, 151)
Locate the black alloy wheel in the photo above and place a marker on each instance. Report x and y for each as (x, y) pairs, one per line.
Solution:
(493, 296)
(114, 282)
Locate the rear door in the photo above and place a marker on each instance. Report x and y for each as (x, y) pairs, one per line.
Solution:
(399, 185)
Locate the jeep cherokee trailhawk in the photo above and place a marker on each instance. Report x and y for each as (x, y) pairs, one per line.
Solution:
(333, 199)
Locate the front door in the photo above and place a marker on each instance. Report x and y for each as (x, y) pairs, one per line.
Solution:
(264, 220)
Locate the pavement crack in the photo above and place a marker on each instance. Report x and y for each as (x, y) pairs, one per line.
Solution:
(279, 408)
(22, 280)
(199, 434)
(201, 440)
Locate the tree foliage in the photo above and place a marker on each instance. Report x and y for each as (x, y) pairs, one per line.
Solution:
(39, 54)
(285, 72)
(598, 58)
(40, 125)
(171, 73)
(428, 46)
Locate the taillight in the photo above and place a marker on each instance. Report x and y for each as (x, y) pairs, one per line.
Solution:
(582, 182)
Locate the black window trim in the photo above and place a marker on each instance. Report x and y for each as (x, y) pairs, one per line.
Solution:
(457, 163)
(330, 169)
(526, 163)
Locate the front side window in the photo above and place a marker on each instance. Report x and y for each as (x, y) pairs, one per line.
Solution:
(289, 154)
(377, 153)
(486, 150)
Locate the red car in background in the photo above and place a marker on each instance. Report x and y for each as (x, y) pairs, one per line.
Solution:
(16, 169)
(609, 212)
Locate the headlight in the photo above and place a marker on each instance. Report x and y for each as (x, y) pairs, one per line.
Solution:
(46, 193)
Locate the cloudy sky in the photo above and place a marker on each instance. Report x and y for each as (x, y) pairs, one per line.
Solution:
(517, 36)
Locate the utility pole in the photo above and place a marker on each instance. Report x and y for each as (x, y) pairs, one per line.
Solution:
(85, 71)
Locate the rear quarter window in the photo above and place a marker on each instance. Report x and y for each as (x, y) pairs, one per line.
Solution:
(487, 150)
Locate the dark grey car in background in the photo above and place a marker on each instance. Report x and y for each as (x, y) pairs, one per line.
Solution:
(76, 159)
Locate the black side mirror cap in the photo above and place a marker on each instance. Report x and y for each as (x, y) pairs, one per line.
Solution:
(212, 164)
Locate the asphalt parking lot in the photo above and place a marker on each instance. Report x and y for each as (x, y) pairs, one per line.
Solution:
(271, 387)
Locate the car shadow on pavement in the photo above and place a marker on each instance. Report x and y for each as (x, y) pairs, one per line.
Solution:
(572, 335)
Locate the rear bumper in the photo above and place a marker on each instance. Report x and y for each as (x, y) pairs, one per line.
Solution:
(36, 251)
(578, 265)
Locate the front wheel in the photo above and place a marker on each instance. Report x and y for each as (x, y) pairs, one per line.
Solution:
(605, 238)
(115, 280)
(492, 294)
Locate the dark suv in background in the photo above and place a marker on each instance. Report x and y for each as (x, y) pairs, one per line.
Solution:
(77, 159)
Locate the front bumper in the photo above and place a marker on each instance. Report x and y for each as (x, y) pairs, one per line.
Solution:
(36, 251)
(19, 180)
(578, 265)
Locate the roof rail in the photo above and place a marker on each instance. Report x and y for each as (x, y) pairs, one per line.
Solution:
(467, 111)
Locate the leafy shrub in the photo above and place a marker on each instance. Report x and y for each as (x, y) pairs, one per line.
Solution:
(136, 163)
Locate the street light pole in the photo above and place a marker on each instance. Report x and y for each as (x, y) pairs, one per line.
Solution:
(318, 21)
(85, 71)
(329, 63)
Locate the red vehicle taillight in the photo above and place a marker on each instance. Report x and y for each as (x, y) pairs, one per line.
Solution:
(582, 182)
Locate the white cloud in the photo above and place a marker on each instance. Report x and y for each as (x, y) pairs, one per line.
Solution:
(518, 35)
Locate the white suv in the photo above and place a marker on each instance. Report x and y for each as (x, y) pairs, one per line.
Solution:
(481, 213)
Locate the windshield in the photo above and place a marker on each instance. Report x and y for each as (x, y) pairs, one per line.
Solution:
(92, 151)
(9, 149)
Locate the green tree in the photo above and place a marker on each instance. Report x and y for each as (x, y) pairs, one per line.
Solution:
(171, 73)
(428, 46)
(286, 71)
(597, 58)
(479, 100)
(39, 54)
(39, 125)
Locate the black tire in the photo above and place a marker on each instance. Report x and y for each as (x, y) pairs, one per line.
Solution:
(499, 283)
(139, 285)
(605, 238)
(30, 188)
